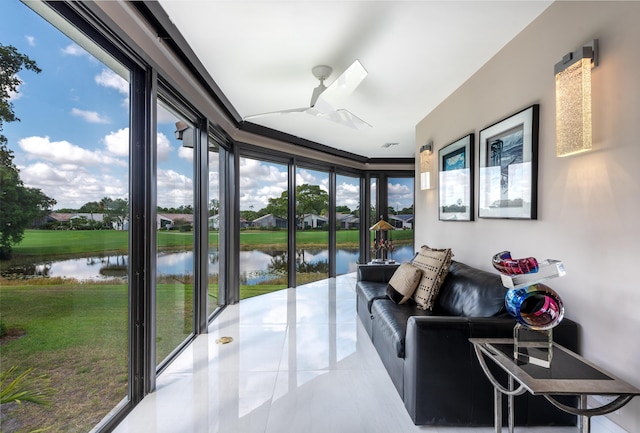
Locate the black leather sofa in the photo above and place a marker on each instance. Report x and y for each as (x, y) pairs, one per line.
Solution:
(429, 358)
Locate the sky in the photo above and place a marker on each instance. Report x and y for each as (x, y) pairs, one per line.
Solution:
(72, 139)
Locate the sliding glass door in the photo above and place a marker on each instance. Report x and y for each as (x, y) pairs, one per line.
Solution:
(312, 225)
(264, 226)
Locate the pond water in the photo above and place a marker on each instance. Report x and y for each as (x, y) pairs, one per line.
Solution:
(256, 266)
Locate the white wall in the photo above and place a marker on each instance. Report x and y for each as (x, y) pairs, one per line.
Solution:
(588, 204)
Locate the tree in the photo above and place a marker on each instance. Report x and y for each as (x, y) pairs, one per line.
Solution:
(278, 206)
(11, 62)
(343, 209)
(90, 207)
(20, 205)
(310, 199)
(214, 207)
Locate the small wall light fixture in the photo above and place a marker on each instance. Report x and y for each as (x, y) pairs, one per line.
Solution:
(573, 100)
(180, 128)
(425, 165)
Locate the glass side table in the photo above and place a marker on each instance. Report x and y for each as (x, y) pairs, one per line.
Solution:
(569, 374)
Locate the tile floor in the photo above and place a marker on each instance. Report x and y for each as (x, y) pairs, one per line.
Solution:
(300, 362)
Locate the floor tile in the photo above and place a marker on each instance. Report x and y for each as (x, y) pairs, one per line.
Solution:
(300, 362)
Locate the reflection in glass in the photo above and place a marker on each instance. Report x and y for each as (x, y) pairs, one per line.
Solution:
(263, 227)
(312, 223)
(174, 277)
(69, 331)
(347, 216)
(400, 201)
(214, 211)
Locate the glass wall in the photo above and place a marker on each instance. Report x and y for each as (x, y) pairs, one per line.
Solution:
(400, 198)
(312, 225)
(69, 284)
(175, 231)
(264, 226)
(347, 223)
(214, 298)
(65, 188)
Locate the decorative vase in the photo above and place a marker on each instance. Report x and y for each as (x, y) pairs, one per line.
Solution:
(537, 309)
(537, 306)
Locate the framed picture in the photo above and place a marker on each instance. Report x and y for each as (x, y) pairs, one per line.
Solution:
(455, 182)
(509, 167)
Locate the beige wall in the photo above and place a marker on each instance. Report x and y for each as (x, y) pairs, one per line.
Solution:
(588, 204)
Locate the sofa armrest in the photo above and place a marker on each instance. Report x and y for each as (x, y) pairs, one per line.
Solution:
(443, 381)
(376, 272)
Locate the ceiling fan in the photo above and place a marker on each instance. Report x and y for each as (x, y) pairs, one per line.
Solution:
(325, 101)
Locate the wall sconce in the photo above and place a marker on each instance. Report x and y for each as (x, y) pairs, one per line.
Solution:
(573, 100)
(425, 164)
(180, 128)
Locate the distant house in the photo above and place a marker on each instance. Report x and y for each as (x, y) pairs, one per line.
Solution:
(58, 217)
(401, 221)
(80, 218)
(313, 221)
(347, 221)
(167, 220)
(270, 221)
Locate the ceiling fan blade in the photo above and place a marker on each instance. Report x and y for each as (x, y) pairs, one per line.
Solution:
(335, 95)
(343, 117)
(270, 113)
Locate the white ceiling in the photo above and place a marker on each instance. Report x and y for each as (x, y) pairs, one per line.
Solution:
(260, 54)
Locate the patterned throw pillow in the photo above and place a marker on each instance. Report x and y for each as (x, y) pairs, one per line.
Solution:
(403, 283)
(435, 266)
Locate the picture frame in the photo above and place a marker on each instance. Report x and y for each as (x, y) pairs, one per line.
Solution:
(508, 167)
(455, 180)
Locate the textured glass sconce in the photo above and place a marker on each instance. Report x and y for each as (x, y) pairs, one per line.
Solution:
(425, 164)
(573, 100)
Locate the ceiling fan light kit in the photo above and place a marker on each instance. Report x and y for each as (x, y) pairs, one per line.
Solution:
(322, 72)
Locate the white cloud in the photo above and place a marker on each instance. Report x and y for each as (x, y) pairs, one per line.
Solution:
(14, 96)
(164, 147)
(400, 195)
(89, 116)
(165, 116)
(186, 153)
(260, 181)
(74, 50)
(31, 40)
(348, 195)
(65, 153)
(71, 186)
(174, 189)
(108, 78)
(118, 142)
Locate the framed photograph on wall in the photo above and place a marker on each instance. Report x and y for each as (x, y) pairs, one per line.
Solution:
(508, 181)
(455, 181)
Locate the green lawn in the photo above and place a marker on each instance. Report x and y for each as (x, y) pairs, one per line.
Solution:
(75, 335)
(39, 243)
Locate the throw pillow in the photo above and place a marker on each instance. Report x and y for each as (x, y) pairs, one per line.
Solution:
(434, 265)
(403, 283)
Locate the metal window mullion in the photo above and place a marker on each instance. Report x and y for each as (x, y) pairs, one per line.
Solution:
(365, 223)
(292, 225)
(201, 227)
(332, 223)
(142, 235)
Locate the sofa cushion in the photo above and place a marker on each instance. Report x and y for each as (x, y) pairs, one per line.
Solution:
(403, 283)
(471, 292)
(434, 265)
(390, 322)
